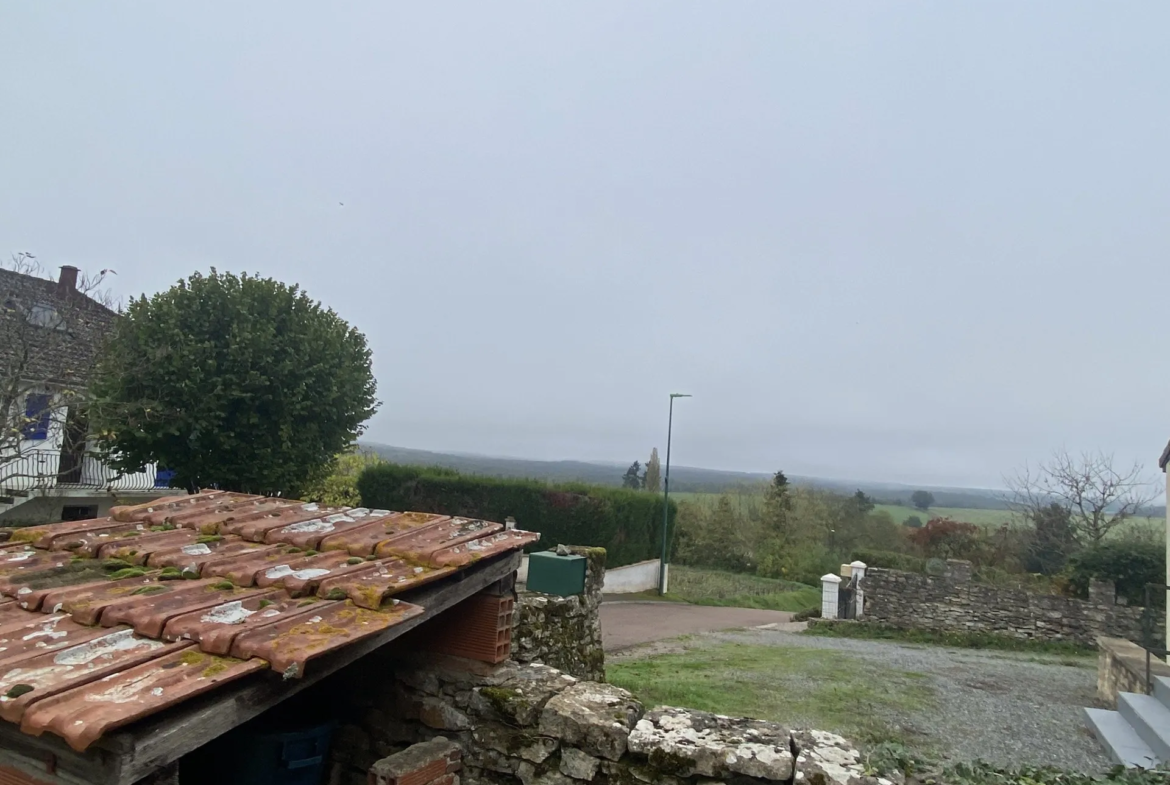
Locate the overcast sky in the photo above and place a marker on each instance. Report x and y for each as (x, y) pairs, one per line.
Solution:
(918, 242)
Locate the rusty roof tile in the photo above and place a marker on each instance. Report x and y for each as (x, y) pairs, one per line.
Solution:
(362, 540)
(308, 534)
(371, 586)
(86, 602)
(289, 644)
(161, 514)
(136, 550)
(29, 588)
(212, 520)
(17, 564)
(208, 550)
(482, 548)
(58, 536)
(52, 672)
(82, 715)
(215, 629)
(256, 529)
(421, 544)
(148, 614)
(157, 510)
(38, 634)
(302, 575)
(242, 570)
(134, 512)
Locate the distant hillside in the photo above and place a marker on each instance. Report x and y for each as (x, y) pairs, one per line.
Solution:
(682, 478)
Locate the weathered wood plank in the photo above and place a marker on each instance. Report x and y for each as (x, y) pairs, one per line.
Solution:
(49, 757)
(155, 742)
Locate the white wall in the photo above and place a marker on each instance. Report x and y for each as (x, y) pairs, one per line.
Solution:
(632, 578)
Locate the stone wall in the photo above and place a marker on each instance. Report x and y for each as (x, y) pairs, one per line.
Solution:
(564, 632)
(529, 724)
(1121, 667)
(952, 603)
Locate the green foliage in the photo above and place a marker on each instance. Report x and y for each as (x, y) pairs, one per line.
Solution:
(652, 479)
(1130, 564)
(889, 560)
(626, 523)
(339, 487)
(236, 382)
(633, 479)
(720, 538)
(922, 500)
(1053, 539)
(965, 640)
(913, 521)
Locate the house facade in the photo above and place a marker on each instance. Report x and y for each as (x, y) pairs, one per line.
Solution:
(50, 336)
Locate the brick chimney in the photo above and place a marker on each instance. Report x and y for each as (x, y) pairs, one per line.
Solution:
(67, 283)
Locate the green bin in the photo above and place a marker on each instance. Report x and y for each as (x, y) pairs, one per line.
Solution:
(553, 574)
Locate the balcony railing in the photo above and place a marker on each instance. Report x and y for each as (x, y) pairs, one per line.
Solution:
(43, 470)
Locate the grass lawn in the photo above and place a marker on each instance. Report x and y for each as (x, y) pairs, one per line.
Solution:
(728, 589)
(829, 690)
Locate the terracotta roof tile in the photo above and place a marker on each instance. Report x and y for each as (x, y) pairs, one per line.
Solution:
(188, 580)
(82, 715)
(290, 643)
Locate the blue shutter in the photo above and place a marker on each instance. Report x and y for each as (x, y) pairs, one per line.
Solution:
(36, 411)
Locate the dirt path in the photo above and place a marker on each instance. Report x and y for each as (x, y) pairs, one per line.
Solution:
(625, 624)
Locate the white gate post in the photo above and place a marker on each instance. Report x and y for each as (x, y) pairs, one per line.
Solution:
(858, 568)
(829, 595)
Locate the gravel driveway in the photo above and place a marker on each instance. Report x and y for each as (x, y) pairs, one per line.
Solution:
(1006, 708)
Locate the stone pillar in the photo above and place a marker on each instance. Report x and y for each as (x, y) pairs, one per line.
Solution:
(858, 569)
(829, 592)
(1102, 592)
(958, 570)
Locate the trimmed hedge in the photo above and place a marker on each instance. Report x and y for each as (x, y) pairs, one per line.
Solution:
(626, 523)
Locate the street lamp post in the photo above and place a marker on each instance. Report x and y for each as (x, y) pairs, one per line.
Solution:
(666, 497)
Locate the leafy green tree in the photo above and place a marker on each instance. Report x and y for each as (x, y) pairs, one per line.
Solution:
(1053, 540)
(652, 480)
(633, 479)
(922, 500)
(912, 521)
(235, 382)
(339, 486)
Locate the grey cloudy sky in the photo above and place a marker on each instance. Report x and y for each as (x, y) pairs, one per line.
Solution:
(919, 242)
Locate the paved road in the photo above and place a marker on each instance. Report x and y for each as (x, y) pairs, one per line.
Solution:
(625, 624)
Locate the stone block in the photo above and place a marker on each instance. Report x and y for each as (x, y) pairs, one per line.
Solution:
(684, 742)
(518, 693)
(516, 742)
(828, 759)
(441, 714)
(578, 765)
(421, 764)
(596, 717)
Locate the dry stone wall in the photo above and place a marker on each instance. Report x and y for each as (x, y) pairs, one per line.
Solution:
(564, 632)
(529, 724)
(952, 603)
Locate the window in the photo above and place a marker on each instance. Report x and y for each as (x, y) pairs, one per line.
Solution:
(37, 414)
(71, 513)
(46, 316)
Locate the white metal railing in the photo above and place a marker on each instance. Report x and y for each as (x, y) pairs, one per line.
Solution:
(46, 469)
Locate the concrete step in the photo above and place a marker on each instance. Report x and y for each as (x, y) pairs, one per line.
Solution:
(1162, 689)
(1150, 718)
(1120, 740)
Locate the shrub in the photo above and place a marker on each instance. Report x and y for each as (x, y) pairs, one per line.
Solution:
(1130, 564)
(913, 522)
(628, 524)
(889, 560)
(943, 538)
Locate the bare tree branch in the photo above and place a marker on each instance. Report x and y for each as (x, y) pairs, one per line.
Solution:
(1098, 495)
